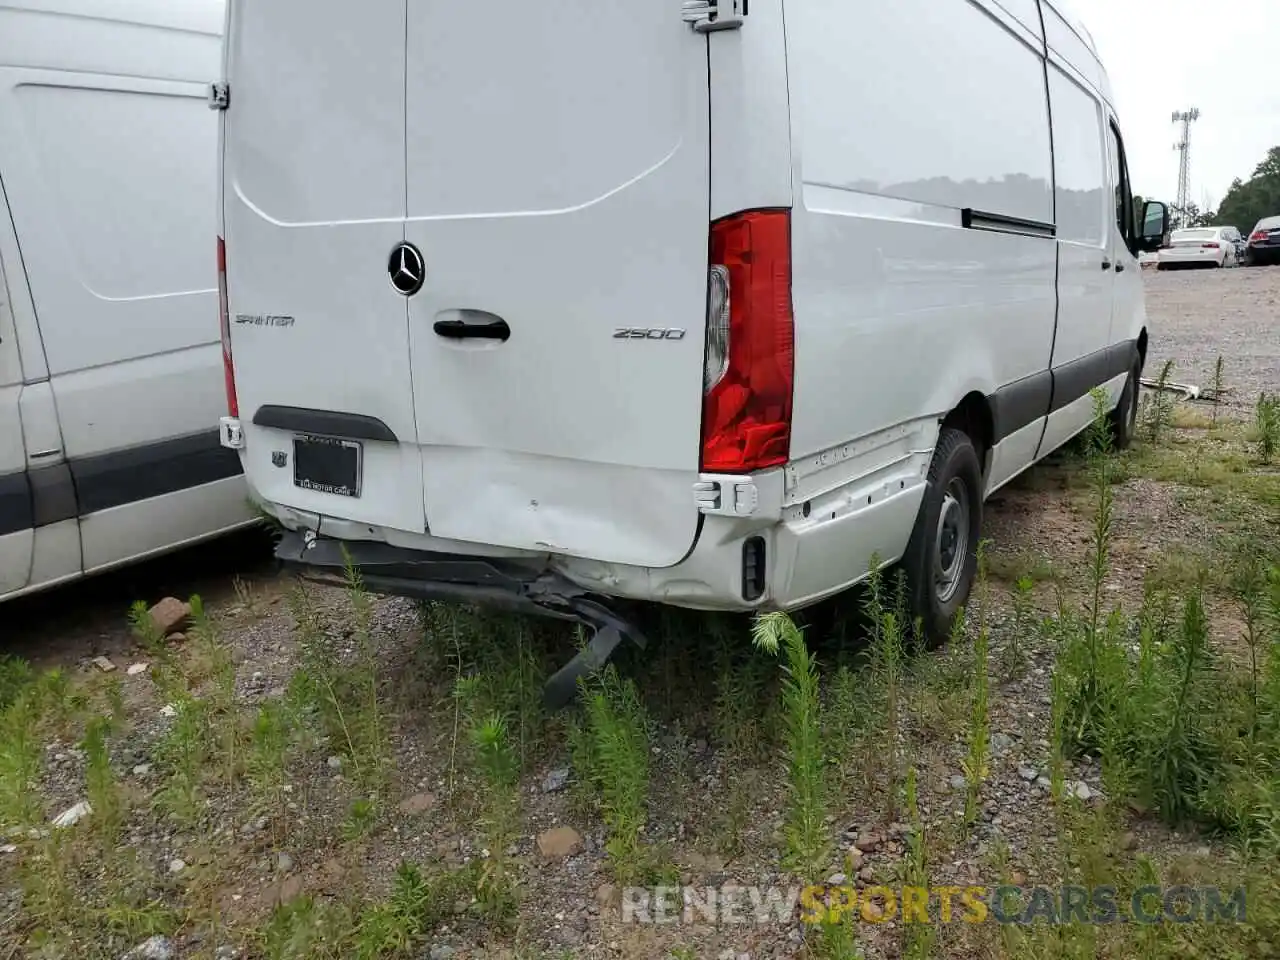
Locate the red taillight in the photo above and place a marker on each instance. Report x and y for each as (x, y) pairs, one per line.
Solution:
(746, 413)
(228, 368)
(1209, 246)
(1258, 235)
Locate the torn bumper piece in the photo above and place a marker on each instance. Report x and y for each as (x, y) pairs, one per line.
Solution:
(499, 584)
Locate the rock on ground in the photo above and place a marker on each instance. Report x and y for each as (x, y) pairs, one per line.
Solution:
(170, 615)
(155, 948)
(559, 842)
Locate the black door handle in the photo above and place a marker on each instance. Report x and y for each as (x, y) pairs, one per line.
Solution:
(1106, 264)
(496, 329)
(1119, 268)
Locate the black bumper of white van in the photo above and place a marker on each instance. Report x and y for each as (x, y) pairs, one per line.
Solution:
(493, 583)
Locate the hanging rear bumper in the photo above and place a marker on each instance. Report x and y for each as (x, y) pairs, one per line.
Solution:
(494, 583)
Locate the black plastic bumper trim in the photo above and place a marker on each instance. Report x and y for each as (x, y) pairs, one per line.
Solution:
(325, 423)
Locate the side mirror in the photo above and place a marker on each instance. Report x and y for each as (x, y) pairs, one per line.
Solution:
(1155, 226)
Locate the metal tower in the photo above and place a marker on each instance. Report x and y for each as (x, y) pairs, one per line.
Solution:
(1183, 146)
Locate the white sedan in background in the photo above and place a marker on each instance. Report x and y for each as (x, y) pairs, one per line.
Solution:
(1199, 247)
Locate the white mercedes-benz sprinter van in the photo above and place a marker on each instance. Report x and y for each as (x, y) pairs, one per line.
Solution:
(110, 387)
(694, 303)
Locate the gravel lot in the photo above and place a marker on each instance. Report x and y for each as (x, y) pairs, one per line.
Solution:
(1195, 316)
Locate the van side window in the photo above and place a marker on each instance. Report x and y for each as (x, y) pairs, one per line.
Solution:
(959, 146)
(1080, 162)
(1124, 195)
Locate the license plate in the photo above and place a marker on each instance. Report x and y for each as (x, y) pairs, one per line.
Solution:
(327, 465)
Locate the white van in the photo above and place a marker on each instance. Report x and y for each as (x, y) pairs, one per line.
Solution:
(110, 387)
(695, 304)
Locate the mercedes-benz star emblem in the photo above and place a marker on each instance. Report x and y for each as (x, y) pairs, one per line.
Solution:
(407, 269)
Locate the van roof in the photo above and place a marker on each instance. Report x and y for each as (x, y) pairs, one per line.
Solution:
(1095, 73)
(156, 39)
(1067, 12)
(191, 16)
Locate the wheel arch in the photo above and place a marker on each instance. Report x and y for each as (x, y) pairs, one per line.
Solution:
(972, 416)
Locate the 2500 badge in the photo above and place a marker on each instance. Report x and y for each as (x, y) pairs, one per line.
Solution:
(649, 333)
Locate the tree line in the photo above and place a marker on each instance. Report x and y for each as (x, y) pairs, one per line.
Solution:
(1246, 202)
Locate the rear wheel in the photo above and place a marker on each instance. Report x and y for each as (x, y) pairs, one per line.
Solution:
(942, 555)
(1123, 420)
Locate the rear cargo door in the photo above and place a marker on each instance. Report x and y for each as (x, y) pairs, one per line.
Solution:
(558, 191)
(313, 203)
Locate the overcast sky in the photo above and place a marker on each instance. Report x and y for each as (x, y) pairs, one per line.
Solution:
(1222, 56)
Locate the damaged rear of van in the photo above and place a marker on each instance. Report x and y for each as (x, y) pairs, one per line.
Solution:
(541, 308)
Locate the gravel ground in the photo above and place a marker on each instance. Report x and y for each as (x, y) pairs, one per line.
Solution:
(1195, 316)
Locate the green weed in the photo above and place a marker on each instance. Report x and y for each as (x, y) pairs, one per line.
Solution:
(499, 768)
(403, 921)
(846, 718)
(888, 650)
(808, 841)
(15, 676)
(1219, 385)
(344, 694)
(102, 788)
(1013, 656)
(918, 938)
(212, 658)
(181, 752)
(1267, 422)
(1159, 406)
(307, 929)
(270, 745)
(976, 764)
(618, 734)
(362, 817)
(21, 758)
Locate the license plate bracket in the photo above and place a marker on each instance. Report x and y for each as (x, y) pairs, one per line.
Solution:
(328, 465)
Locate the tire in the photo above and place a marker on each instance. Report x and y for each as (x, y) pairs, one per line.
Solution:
(941, 559)
(1123, 420)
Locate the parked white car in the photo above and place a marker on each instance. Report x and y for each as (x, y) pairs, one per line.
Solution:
(1201, 247)
(605, 305)
(110, 381)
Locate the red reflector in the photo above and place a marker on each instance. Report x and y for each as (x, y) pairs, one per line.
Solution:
(746, 416)
(224, 317)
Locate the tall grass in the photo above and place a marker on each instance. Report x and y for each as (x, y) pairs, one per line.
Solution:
(1267, 423)
(1179, 729)
(616, 758)
(1159, 407)
(808, 842)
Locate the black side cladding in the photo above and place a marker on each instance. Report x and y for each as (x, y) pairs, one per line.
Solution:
(1024, 401)
(125, 476)
(81, 486)
(15, 503)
